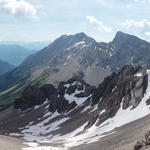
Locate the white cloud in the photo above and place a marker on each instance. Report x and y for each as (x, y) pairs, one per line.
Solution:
(147, 34)
(136, 24)
(17, 8)
(129, 6)
(141, 1)
(100, 26)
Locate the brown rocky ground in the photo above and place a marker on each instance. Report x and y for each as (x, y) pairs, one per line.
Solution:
(9, 143)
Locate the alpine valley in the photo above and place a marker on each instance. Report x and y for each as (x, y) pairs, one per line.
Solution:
(78, 93)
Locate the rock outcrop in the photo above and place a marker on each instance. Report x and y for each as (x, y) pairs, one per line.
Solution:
(33, 96)
(143, 144)
(123, 89)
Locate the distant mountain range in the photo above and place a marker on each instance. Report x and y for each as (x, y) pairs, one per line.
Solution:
(35, 45)
(5, 67)
(14, 54)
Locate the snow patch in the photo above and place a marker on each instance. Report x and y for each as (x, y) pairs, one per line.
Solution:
(78, 100)
(114, 88)
(86, 108)
(68, 57)
(35, 146)
(102, 112)
(15, 134)
(139, 74)
(95, 107)
(79, 43)
(38, 106)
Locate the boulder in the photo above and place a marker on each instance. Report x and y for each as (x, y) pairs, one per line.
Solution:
(31, 96)
(71, 89)
(147, 138)
(139, 145)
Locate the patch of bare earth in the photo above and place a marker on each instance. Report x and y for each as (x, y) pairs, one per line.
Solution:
(9, 143)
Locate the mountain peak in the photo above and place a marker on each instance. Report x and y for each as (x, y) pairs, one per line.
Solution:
(122, 37)
(81, 34)
(72, 39)
(78, 35)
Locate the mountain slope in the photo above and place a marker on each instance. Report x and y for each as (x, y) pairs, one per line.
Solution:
(5, 67)
(121, 98)
(63, 58)
(129, 49)
(76, 55)
(14, 54)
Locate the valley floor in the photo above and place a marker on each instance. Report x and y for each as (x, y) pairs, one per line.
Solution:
(9, 143)
(124, 139)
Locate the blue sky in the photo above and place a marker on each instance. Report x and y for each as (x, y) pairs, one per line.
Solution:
(45, 20)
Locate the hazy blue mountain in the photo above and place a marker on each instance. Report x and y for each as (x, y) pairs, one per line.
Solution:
(5, 67)
(36, 45)
(14, 54)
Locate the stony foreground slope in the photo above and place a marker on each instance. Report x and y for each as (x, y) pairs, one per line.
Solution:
(123, 139)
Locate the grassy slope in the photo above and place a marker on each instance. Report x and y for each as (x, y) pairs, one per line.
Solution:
(9, 97)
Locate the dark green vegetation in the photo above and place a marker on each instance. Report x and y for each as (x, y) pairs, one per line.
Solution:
(16, 88)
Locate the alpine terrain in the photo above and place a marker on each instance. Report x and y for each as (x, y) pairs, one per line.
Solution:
(78, 94)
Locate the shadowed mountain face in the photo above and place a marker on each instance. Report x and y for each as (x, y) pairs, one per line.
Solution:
(5, 67)
(129, 49)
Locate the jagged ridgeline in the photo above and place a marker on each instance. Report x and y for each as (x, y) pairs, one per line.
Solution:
(73, 56)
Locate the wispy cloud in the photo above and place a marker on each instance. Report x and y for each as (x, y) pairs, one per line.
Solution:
(17, 8)
(142, 1)
(99, 24)
(136, 24)
(129, 6)
(147, 34)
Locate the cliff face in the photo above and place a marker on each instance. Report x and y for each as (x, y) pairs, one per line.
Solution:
(123, 89)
